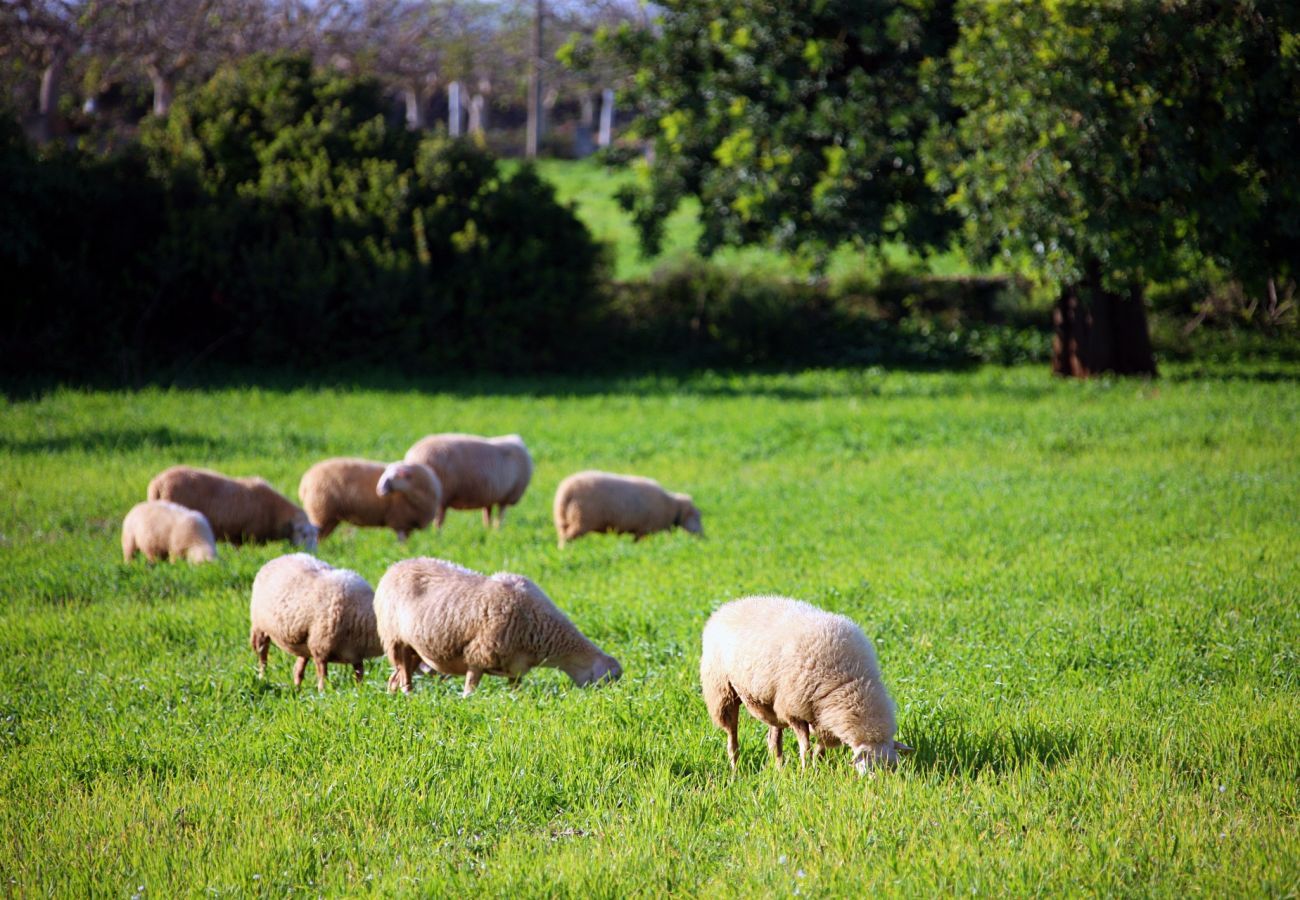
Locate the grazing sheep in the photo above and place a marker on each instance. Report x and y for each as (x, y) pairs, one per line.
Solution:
(459, 622)
(163, 530)
(311, 609)
(402, 496)
(624, 504)
(796, 666)
(476, 472)
(239, 509)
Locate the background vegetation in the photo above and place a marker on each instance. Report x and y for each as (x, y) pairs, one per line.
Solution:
(1083, 595)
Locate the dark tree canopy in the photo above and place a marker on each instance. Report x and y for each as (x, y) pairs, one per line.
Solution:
(1132, 136)
(794, 122)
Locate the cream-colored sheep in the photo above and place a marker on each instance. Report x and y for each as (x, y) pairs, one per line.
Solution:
(238, 509)
(625, 504)
(459, 622)
(311, 609)
(476, 472)
(402, 496)
(163, 530)
(795, 666)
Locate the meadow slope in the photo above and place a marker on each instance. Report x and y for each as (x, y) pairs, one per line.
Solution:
(1084, 597)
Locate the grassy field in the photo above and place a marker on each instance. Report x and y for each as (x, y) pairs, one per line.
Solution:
(590, 186)
(1084, 597)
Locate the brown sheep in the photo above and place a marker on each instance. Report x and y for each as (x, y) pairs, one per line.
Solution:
(163, 530)
(238, 509)
(476, 472)
(594, 501)
(402, 496)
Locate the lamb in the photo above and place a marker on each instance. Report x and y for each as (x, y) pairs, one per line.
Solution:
(239, 509)
(163, 530)
(624, 504)
(795, 666)
(311, 609)
(459, 622)
(476, 472)
(401, 496)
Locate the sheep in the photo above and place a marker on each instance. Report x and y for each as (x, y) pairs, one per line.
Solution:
(459, 622)
(401, 496)
(239, 509)
(311, 609)
(476, 472)
(163, 530)
(795, 666)
(625, 504)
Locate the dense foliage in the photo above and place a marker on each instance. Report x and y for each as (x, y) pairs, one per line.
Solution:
(1141, 136)
(282, 220)
(792, 122)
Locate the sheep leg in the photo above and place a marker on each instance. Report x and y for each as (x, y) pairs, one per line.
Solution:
(729, 719)
(471, 681)
(487, 516)
(501, 515)
(299, 667)
(261, 644)
(801, 732)
(320, 673)
(359, 671)
(439, 516)
(775, 733)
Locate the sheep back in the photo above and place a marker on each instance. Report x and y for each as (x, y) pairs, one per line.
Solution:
(594, 501)
(238, 509)
(308, 608)
(459, 622)
(789, 661)
(348, 490)
(163, 530)
(476, 472)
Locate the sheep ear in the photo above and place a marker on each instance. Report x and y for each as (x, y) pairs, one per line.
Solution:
(903, 749)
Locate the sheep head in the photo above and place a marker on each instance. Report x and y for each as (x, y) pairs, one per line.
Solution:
(303, 533)
(688, 515)
(868, 757)
(601, 669)
(395, 480)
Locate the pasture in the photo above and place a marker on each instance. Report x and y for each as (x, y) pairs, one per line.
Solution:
(1083, 595)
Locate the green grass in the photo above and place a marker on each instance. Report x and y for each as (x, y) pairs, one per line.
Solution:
(1084, 596)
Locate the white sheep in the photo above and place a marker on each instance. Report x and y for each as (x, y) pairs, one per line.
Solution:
(311, 609)
(163, 530)
(238, 509)
(459, 622)
(795, 666)
(402, 496)
(594, 501)
(476, 472)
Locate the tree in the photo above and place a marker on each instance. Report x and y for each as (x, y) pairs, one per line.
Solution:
(47, 34)
(1112, 142)
(793, 123)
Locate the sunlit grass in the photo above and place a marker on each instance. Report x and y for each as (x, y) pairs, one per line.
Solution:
(1084, 597)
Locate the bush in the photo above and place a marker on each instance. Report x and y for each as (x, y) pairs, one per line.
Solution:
(282, 220)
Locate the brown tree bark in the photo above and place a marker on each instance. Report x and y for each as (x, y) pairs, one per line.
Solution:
(1098, 331)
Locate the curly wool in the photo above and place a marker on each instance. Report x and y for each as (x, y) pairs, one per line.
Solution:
(238, 509)
(163, 530)
(402, 496)
(594, 501)
(793, 665)
(476, 472)
(310, 609)
(460, 622)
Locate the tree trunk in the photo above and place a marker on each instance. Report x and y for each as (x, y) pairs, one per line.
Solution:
(164, 88)
(415, 114)
(1100, 331)
(533, 140)
(49, 125)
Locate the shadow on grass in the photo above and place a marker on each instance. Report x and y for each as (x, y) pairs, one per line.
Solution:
(114, 439)
(947, 747)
